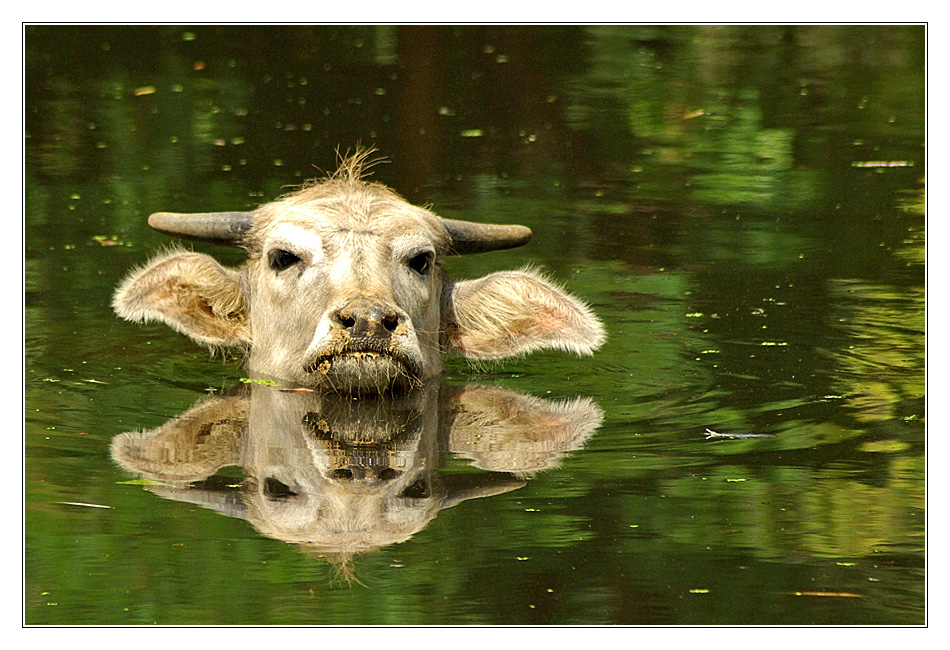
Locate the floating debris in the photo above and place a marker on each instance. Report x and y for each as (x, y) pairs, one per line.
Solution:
(882, 163)
(262, 382)
(710, 434)
(83, 505)
(828, 594)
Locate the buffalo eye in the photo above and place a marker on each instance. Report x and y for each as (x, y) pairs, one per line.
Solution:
(422, 263)
(279, 259)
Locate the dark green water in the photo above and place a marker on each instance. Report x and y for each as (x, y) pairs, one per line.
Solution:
(742, 206)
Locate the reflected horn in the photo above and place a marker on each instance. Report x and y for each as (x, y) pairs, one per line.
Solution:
(469, 237)
(226, 228)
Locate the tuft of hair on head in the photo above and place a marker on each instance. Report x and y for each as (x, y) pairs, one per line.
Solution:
(355, 166)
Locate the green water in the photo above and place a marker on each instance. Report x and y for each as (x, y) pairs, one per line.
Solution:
(742, 206)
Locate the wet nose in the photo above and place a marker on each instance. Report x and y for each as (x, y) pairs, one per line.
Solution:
(367, 318)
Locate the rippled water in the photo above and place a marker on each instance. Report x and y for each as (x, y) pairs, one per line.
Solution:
(742, 206)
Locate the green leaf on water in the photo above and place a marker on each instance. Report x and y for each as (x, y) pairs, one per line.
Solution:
(262, 382)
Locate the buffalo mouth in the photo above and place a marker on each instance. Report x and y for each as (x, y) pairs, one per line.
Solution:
(365, 368)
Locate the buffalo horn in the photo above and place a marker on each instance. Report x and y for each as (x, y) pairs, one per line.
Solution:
(469, 237)
(210, 227)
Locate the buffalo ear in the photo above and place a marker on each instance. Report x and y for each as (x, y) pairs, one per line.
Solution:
(515, 312)
(192, 293)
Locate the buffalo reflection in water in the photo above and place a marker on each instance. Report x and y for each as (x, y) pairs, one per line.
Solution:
(340, 476)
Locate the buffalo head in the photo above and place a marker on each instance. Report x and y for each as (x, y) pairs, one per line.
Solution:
(343, 289)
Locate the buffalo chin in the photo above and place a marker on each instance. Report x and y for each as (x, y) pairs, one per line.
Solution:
(364, 372)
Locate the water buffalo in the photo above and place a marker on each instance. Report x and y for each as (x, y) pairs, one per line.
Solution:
(343, 289)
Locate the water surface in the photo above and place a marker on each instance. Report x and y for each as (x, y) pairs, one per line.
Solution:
(742, 206)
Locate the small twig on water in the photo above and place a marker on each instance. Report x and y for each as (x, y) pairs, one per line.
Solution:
(710, 435)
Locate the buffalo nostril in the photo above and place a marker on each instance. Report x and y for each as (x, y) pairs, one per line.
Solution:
(387, 474)
(274, 489)
(342, 474)
(418, 490)
(368, 318)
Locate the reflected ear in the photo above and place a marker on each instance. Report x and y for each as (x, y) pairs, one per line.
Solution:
(515, 312)
(192, 293)
(190, 447)
(504, 431)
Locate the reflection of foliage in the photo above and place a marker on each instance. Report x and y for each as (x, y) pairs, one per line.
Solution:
(913, 248)
(746, 164)
(882, 371)
(703, 101)
(782, 511)
(914, 201)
